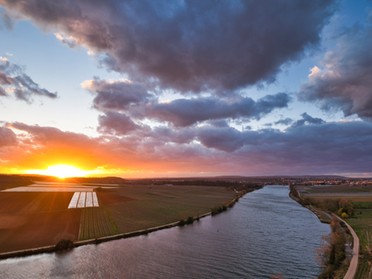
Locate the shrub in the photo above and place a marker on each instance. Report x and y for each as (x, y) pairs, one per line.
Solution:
(344, 215)
(64, 244)
(187, 221)
(333, 254)
(218, 209)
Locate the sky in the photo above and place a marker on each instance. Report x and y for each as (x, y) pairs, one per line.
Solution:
(186, 88)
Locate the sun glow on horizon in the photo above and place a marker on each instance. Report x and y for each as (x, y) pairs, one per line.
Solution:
(62, 171)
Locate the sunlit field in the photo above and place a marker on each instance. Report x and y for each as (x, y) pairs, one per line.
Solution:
(42, 214)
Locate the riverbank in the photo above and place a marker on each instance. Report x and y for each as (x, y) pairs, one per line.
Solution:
(183, 222)
(323, 216)
(326, 217)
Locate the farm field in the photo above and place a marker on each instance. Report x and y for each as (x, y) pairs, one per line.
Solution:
(35, 219)
(32, 218)
(139, 207)
(361, 220)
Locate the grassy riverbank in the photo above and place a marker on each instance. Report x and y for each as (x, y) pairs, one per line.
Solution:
(355, 204)
(333, 255)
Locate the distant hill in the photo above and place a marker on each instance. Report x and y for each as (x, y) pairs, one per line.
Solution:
(10, 181)
(98, 180)
(15, 180)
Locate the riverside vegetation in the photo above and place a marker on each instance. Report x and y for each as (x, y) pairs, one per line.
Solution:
(354, 204)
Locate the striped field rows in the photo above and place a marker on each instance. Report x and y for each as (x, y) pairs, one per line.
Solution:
(84, 199)
(95, 222)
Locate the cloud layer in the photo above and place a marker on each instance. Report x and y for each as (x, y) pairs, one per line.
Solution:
(187, 45)
(200, 54)
(186, 112)
(124, 103)
(343, 80)
(301, 149)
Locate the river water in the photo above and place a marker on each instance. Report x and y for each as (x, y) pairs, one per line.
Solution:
(266, 233)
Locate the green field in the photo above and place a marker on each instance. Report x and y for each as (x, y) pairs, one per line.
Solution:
(139, 207)
(361, 220)
(362, 225)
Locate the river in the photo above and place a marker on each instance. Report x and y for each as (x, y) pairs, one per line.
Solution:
(266, 233)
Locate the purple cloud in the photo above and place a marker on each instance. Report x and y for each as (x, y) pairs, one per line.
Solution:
(188, 45)
(343, 81)
(323, 148)
(186, 112)
(116, 123)
(116, 95)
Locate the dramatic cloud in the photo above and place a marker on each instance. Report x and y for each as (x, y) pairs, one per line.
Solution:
(182, 107)
(123, 101)
(321, 148)
(187, 45)
(13, 81)
(344, 79)
(186, 112)
(312, 148)
(42, 146)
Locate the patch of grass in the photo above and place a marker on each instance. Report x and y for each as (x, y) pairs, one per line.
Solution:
(362, 205)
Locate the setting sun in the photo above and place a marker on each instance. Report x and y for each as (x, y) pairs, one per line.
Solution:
(61, 171)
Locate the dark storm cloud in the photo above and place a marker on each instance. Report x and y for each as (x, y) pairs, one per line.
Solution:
(188, 45)
(344, 79)
(116, 95)
(186, 112)
(14, 81)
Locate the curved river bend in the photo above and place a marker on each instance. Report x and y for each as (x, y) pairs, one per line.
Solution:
(265, 234)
